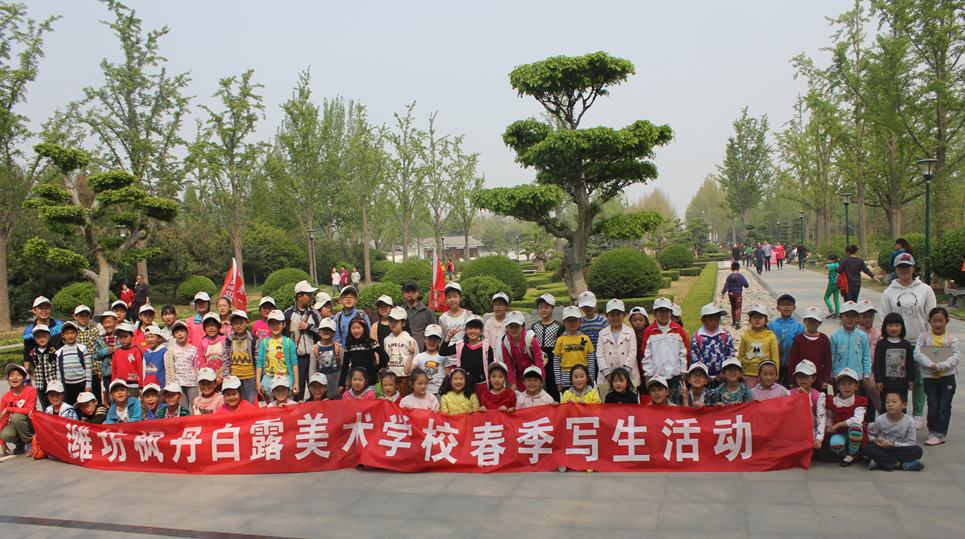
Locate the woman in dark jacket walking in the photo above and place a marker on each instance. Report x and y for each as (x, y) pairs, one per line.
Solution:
(853, 266)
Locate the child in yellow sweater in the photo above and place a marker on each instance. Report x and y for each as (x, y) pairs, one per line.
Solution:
(458, 396)
(757, 344)
(581, 392)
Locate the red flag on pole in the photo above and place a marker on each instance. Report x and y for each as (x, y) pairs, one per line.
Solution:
(234, 287)
(437, 296)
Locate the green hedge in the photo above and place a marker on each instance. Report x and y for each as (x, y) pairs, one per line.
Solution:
(502, 269)
(281, 277)
(197, 283)
(673, 274)
(690, 272)
(478, 292)
(665, 283)
(700, 294)
(676, 256)
(623, 273)
(419, 271)
(75, 294)
(374, 291)
(553, 264)
(699, 265)
(533, 283)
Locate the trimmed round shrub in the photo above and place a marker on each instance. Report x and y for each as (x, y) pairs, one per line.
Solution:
(419, 271)
(948, 255)
(283, 276)
(554, 264)
(624, 273)
(380, 268)
(197, 283)
(676, 257)
(372, 292)
(75, 294)
(478, 291)
(503, 269)
(917, 242)
(284, 296)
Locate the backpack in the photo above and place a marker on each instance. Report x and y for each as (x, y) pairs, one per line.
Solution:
(506, 345)
(700, 339)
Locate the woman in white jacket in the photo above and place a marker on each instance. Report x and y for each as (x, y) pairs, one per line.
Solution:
(617, 346)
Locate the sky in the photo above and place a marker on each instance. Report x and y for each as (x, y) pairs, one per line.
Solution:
(698, 63)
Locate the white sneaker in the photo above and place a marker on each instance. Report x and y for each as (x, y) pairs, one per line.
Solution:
(934, 440)
(918, 422)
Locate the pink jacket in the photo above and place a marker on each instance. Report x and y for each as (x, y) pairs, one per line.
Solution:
(515, 356)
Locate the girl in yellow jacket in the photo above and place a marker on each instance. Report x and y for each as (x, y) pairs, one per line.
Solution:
(580, 391)
(757, 344)
(458, 397)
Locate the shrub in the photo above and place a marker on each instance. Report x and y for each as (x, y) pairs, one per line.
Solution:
(676, 256)
(534, 282)
(197, 283)
(380, 268)
(478, 291)
(75, 294)
(369, 294)
(624, 273)
(917, 242)
(665, 282)
(281, 277)
(554, 264)
(700, 294)
(690, 272)
(419, 271)
(673, 274)
(503, 269)
(711, 249)
(948, 255)
(284, 296)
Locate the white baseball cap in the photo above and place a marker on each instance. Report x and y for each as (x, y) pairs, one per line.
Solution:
(207, 373)
(662, 303)
(153, 329)
(108, 313)
(731, 362)
(41, 327)
(172, 387)
(533, 369)
(452, 286)
(147, 308)
(238, 313)
(231, 382)
(848, 306)
(699, 367)
(806, 367)
(55, 386)
(40, 300)
(69, 324)
(201, 296)
(117, 382)
(327, 323)
(81, 308)
(304, 287)
(586, 299)
(280, 381)
(675, 310)
(86, 396)
(398, 313)
(267, 299)
(639, 310)
(433, 330)
(276, 315)
(118, 303)
(865, 306)
(178, 324)
(320, 300)
(850, 373)
(711, 309)
(502, 296)
(474, 318)
(758, 308)
(658, 380)
(211, 316)
(318, 378)
(149, 387)
(615, 305)
(813, 313)
(571, 312)
(384, 299)
(125, 326)
(548, 298)
(515, 317)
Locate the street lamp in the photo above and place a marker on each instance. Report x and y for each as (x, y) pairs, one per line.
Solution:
(122, 231)
(311, 239)
(928, 167)
(517, 249)
(778, 230)
(801, 214)
(846, 197)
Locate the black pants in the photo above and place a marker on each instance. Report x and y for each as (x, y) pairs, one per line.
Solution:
(854, 289)
(767, 263)
(304, 361)
(550, 381)
(71, 391)
(889, 457)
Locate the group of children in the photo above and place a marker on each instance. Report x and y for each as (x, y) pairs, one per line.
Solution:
(214, 363)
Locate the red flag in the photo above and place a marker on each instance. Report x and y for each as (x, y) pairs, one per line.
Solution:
(234, 287)
(437, 296)
(963, 267)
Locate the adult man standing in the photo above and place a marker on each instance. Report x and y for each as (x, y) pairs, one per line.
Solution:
(142, 294)
(418, 315)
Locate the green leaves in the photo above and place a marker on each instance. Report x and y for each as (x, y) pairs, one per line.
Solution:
(113, 180)
(66, 159)
(38, 248)
(158, 208)
(630, 226)
(65, 215)
(522, 202)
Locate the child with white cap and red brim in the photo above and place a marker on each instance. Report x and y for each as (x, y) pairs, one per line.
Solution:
(617, 346)
(546, 330)
(572, 348)
(814, 346)
(592, 323)
(846, 419)
(665, 351)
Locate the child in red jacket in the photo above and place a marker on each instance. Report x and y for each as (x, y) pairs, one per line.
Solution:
(17, 407)
(845, 420)
(127, 362)
(813, 346)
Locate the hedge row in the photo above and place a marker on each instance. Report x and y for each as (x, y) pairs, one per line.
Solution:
(691, 272)
(665, 283)
(673, 274)
(701, 293)
(535, 282)
(646, 303)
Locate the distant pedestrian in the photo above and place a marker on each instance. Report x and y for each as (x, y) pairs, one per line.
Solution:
(853, 266)
(802, 256)
(336, 282)
(356, 277)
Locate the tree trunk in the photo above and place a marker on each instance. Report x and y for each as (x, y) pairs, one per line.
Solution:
(237, 243)
(576, 253)
(467, 244)
(405, 243)
(733, 229)
(365, 244)
(4, 292)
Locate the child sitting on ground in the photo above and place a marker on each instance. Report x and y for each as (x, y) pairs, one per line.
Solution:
(757, 344)
(458, 394)
(420, 398)
(534, 394)
(125, 409)
(659, 389)
(813, 346)
(234, 401)
(699, 394)
(805, 376)
(209, 401)
(581, 391)
(786, 329)
(711, 345)
(16, 411)
(621, 388)
(150, 400)
(359, 388)
(767, 386)
(171, 395)
(497, 396)
(732, 390)
(55, 396)
(891, 438)
(281, 391)
(845, 420)
(390, 387)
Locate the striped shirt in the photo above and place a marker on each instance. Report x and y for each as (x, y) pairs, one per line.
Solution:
(75, 371)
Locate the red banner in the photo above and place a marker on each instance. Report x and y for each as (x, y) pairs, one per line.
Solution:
(234, 287)
(774, 434)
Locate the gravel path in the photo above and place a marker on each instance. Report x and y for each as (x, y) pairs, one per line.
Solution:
(755, 294)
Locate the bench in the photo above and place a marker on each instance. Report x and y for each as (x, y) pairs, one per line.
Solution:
(955, 297)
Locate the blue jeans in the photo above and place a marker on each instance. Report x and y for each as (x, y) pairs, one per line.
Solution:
(939, 393)
(249, 390)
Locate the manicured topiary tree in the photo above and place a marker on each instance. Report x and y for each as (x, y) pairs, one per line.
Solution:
(380, 268)
(503, 269)
(374, 291)
(281, 277)
(73, 295)
(195, 284)
(553, 265)
(285, 296)
(676, 257)
(948, 256)
(624, 273)
(478, 291)
(419, 271)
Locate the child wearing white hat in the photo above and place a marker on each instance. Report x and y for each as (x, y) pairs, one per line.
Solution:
(846, 418)
(572, 348)
(495, 327)
(757, 344)
(814, 346)
(546, 330)
(592, 323)
(665, 350)
(711, 345)
(55, 396)
(617, 346)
